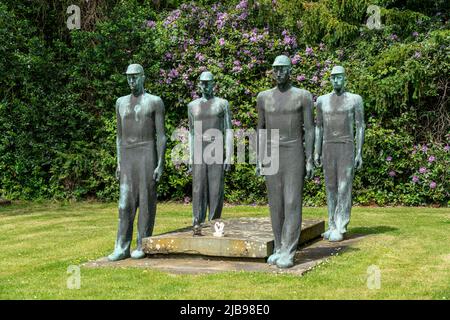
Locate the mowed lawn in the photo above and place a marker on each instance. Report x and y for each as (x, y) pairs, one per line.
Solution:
(39, 241)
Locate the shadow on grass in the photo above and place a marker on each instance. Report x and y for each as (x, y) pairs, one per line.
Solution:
(362, 231)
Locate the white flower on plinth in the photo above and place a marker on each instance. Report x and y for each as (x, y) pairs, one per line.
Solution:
(218, 227)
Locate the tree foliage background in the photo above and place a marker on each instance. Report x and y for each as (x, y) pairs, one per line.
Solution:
(58, 87)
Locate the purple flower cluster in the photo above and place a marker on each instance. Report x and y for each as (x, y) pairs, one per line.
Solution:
(173, 73)
(309, 51)
(236, 123)
(393, 37)
(242, 5)
(237, 66)
(296, 59)
(199, 57)
(222, 18)
(289, 41)
(172, 18)
(151, 24)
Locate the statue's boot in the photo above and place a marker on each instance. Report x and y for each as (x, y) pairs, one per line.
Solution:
(197, 230)
(285, 261)
(326, 234)
(336, 236)
(138, 254)
(274, 257)
(118, 255)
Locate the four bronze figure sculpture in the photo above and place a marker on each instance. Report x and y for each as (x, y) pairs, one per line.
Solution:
(285, 124)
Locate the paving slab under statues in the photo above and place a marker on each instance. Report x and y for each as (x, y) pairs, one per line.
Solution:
(243, 238)
(306, 258)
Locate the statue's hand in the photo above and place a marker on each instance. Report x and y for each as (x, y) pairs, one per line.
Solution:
(118, 172)
(189, 170)
(258, 170)
(358, 162)
(157, 173)
(309, 170)
(226, 166)
(317, 160)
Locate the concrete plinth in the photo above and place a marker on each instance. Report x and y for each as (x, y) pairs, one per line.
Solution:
(4, 202)
(243, 238)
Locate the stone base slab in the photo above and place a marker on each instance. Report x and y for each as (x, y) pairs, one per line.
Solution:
(243, 238)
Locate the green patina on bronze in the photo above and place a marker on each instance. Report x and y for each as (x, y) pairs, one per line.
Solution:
(289, 110)
(339, 114)
(141, 144)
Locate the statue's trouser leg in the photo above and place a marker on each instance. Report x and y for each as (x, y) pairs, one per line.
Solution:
(329, 162)
(285, 198)
(128, 199)
(137, 189)
(338, 170)
(215, 190)
(274, 187)
(147, 193)
(292, 164)
(345, 182)
(199, 192)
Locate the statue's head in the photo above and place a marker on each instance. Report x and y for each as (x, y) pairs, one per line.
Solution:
(135, 77)
(206, 83)
(282, 69)
(338, 78)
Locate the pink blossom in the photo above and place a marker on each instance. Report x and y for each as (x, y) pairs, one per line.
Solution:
(415, 179)
(392, 173)
(151, 24)
(422, 170)
(431, 159)
(433, 184)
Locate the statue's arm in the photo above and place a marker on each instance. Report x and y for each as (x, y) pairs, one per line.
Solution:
(228, 133)
(118, 137)
(308, 126)
(191, 136)
(319, 134)
(261, 136)
(161, 139)
(360, 127)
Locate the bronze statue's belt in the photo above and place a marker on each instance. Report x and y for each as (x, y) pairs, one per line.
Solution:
(148, 143)
(287, 143)
(342, 140)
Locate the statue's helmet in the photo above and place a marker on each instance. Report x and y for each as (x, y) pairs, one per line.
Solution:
(338, 70)
(282, 61)
(206, 76)
(135, 69)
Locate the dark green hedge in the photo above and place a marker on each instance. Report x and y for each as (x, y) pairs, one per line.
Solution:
(58, 87)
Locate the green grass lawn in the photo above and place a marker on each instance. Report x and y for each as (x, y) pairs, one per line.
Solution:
(38, 242)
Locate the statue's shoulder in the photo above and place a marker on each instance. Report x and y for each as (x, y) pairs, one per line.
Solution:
(194, 103)
(324, 97)
(152, 98)
(265, 93)
(120, 100)
(355, 97)
(222, 101)
(300, 92)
